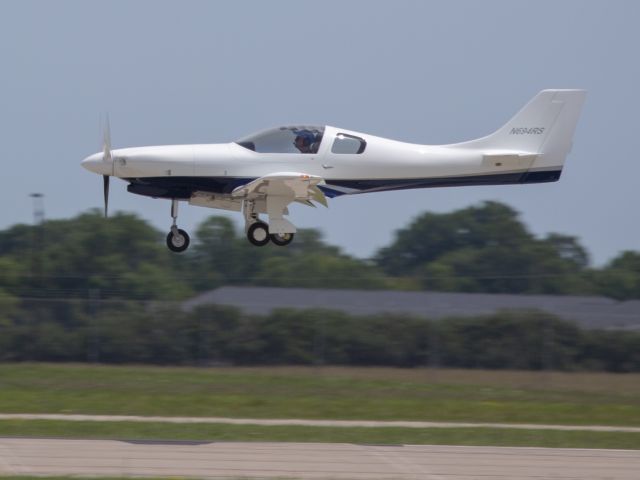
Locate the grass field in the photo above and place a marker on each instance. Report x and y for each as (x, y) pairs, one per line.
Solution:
(324, 393)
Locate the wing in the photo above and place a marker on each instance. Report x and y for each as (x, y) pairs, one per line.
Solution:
(294, 186)
(272, 194)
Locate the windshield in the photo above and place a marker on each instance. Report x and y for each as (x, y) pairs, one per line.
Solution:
(303, 139)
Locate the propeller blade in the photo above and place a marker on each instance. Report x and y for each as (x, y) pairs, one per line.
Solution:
(107, 156)
(106, 141)
(105, 183)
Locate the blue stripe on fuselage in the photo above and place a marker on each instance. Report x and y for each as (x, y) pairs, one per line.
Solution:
(184, 187)
(332, 188)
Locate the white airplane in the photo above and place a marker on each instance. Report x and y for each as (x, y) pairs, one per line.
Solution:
(265, 172)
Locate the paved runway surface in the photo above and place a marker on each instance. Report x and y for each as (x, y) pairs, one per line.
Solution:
(309, 423)
(310, 460)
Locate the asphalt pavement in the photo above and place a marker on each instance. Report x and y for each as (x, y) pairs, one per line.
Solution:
(31, 456)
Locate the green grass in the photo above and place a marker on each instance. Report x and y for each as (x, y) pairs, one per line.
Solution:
(324, 393)
(385, 435)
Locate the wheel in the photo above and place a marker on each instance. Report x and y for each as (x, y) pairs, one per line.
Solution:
(258, 234)
(179, 242)
(281, 239)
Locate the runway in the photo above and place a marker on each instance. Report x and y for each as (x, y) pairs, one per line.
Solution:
(23, 456)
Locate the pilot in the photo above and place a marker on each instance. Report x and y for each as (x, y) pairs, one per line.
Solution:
(305, 141)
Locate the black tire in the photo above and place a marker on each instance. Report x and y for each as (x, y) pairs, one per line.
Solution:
(258, 234)
(180, 243)
(281, 239)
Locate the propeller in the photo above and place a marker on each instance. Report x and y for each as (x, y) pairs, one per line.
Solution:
(106, 157)
(105, 184)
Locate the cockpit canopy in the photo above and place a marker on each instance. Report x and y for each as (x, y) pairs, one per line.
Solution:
(301, 139)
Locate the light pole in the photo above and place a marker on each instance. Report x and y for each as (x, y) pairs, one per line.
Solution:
(37, 241)
(38, 208)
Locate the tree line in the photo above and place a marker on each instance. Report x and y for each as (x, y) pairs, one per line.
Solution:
(90, 289)
(484, 248)
(136, 332)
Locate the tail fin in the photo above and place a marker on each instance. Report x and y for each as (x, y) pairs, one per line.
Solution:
(544, 127)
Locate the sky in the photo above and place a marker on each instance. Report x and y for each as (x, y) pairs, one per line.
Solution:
(423, 72)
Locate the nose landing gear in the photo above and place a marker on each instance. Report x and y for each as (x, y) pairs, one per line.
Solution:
(177, 240)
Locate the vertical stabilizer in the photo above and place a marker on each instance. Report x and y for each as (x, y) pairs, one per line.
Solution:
(544, 127)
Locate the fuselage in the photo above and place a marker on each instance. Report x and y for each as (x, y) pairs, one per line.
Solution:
(349, 162)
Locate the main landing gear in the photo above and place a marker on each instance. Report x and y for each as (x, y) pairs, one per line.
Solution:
(177, 240)
(258, 234)
(281, 239)
(258, 231)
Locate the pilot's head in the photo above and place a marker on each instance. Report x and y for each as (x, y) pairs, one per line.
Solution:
(303, 142)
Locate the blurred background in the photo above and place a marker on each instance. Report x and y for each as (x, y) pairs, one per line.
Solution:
(461, 285)
(472, 288)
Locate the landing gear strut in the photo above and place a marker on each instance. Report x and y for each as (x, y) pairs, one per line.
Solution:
(177, 240)
(257, 231)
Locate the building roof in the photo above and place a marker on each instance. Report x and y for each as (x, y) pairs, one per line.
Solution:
(588, 312)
